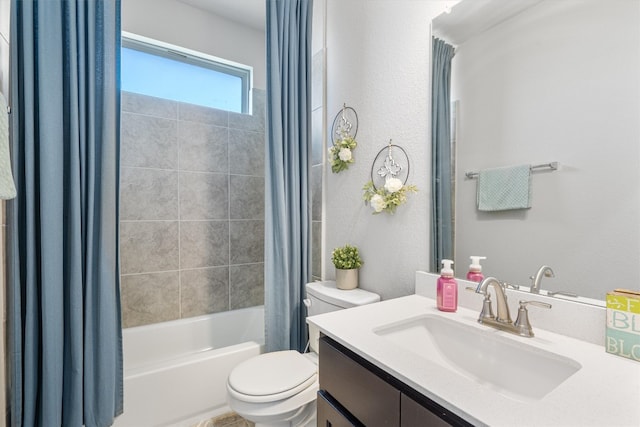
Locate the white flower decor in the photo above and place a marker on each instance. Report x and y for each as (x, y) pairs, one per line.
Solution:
(377, 203)
(393, 185)
(342, 154)
(388, 197)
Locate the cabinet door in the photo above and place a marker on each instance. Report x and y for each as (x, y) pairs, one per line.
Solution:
(330, 414)
(373, 401)
(412, 414)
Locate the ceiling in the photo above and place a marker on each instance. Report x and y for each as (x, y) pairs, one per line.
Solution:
(246, 12)
(469, 18)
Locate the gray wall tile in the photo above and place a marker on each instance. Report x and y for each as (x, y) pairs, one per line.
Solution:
(178, 169)
(259, 102)
(204, 196)
(254, 121)
(246, 152)
(204, 243)
(149, 141)
(316, 192)
(200, 114)
(204, 291)
(148, 194)
(203, 147)
(148, 246)
(317, 140)
(246, 122)
(247, 241)
(246, 283)
(149, 105)
(317, 76)
(246, 197)
(316, 248)
(149, 298)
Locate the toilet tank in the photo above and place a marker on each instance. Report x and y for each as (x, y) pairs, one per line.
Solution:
(325, 297)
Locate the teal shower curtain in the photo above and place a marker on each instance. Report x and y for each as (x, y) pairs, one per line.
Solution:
(441, 190)
(63, 302)
(287, 216)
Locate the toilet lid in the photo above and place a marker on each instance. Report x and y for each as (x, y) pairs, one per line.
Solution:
(273, 376)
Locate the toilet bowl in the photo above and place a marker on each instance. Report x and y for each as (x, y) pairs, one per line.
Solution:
(275, 389)
(279, 389)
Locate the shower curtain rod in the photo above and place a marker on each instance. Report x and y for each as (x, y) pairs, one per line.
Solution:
(552, 166)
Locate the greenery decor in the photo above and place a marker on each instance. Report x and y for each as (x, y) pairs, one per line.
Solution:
(342, 154)
(346, 257)
(389, 197)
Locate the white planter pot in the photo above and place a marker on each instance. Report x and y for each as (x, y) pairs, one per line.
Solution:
(347, 279)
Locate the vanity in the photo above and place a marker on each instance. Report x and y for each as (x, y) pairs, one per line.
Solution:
(355, 392)
(401, 362)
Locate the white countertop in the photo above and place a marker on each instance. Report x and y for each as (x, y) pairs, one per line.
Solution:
(604, 392)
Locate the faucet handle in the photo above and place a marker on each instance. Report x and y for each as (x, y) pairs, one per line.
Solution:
(522, 321)
(511, 285)
(563, 293)
(487, 311)
(540, 304)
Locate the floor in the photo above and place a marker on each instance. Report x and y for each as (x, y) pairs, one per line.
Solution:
(230, 419)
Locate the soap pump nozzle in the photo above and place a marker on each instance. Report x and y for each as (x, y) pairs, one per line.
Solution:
(446, 268)
(475, 263)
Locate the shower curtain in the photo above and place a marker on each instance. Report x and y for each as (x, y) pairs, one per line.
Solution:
(63, 302)
(441, 191)
(287, 215)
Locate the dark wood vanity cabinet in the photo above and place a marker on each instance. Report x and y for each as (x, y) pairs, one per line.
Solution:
(354, 392)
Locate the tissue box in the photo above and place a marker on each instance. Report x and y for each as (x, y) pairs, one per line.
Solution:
(623, 323)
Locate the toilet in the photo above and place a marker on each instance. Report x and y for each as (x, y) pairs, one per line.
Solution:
(279, 388)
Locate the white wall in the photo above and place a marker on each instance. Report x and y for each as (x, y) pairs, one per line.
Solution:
(180, 24)
(559, 82)
(378, 62)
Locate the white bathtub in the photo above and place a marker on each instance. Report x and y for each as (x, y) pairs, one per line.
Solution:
(175, 372)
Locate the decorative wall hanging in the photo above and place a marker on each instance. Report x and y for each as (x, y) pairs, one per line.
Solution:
(343, 139)
(388, 187)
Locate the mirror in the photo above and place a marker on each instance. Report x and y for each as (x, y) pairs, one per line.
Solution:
(550, 81)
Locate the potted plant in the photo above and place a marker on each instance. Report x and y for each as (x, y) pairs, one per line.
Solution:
(347, 261)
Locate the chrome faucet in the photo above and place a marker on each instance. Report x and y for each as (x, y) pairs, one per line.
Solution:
(545, 271)
(503, 320)
(503, 315)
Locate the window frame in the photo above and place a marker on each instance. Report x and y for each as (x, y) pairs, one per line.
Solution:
(192, 57)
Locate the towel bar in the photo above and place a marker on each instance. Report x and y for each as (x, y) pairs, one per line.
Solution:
(552, 166)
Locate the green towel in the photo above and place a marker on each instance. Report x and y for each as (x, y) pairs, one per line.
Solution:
(504, 189)
(7, 187)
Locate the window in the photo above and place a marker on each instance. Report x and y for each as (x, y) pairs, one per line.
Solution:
(158, 69)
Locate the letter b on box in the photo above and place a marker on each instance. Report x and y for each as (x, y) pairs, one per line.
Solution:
(623, 324)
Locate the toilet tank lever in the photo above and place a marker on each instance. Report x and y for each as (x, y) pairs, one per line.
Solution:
(307, 302)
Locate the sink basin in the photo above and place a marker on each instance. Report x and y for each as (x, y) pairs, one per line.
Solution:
(510, 367)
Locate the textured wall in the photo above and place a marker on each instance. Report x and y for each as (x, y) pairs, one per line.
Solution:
(378, 62)
(192, 209)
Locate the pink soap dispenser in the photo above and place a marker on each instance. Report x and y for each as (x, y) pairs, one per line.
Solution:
(475, 269)
(447, 288)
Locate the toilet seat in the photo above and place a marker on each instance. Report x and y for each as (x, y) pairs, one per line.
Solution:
(271, 377)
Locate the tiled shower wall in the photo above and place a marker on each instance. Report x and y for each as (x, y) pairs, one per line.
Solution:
(192, 209)
(317, 166)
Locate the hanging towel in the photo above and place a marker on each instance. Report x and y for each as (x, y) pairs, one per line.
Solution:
(504, 189)
(7, 187)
